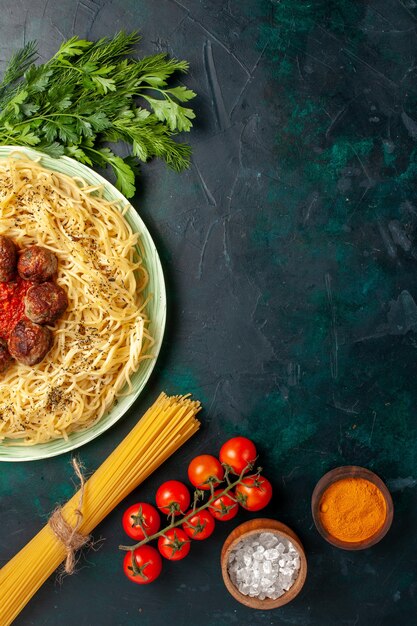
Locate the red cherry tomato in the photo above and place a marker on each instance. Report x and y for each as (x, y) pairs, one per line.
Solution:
(146, 567)
(254, 493)
(172, 497)
(200, 526)
(239, 453)
(223, 508)
(205, 469)
(138, 517)
(174, 545)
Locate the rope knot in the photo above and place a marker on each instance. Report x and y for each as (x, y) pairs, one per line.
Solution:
(67, 534)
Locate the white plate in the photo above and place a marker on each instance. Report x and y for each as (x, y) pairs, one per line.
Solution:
(156, 311)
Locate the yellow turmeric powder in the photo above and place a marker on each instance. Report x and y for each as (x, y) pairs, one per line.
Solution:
(353, 509)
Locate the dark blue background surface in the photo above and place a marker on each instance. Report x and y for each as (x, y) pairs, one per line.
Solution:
(290, 255)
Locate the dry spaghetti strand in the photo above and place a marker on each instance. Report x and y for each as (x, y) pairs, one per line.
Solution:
(167, 424)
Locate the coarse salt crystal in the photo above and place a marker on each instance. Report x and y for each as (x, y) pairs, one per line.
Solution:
(272, 554)
(268, 540)
(264, 566)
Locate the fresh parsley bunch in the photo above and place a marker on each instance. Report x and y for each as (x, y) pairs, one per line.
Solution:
(93, 93)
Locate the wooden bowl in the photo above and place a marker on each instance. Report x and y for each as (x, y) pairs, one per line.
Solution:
(350, 471)
(254, 527)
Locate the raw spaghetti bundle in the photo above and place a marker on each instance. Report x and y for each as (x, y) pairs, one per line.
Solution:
(167, 424)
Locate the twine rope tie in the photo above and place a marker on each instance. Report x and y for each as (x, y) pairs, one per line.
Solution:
(67, 534)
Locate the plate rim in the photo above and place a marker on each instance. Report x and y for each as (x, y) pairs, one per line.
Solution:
(89, 434)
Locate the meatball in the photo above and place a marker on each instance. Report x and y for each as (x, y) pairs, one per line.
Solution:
(45, 303)
(5, 357)
(29, 343)
(8, 259)
(37, 264)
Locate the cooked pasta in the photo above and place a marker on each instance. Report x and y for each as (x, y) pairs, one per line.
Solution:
(167, 424)
(101, 339)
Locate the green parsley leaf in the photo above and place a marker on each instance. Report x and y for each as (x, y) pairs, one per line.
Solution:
(76, 153)
(29, 108)
(176, 116)
(181, 93)
(54, 149)
(90, 93)
(28, 137)
(125, 177)
(72, 47)
(104, 84)
(37, 78)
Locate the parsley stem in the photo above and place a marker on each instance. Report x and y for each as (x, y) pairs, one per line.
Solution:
(51, 115)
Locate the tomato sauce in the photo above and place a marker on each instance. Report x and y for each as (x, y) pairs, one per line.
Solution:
(12, 305)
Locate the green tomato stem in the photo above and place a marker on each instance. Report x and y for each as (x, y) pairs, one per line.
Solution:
(175, 524)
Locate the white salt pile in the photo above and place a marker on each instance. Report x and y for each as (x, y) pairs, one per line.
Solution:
(265, 565)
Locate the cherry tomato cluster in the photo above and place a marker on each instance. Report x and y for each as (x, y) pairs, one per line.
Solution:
(142, 521)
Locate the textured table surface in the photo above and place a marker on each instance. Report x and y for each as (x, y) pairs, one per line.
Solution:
(290, 256)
